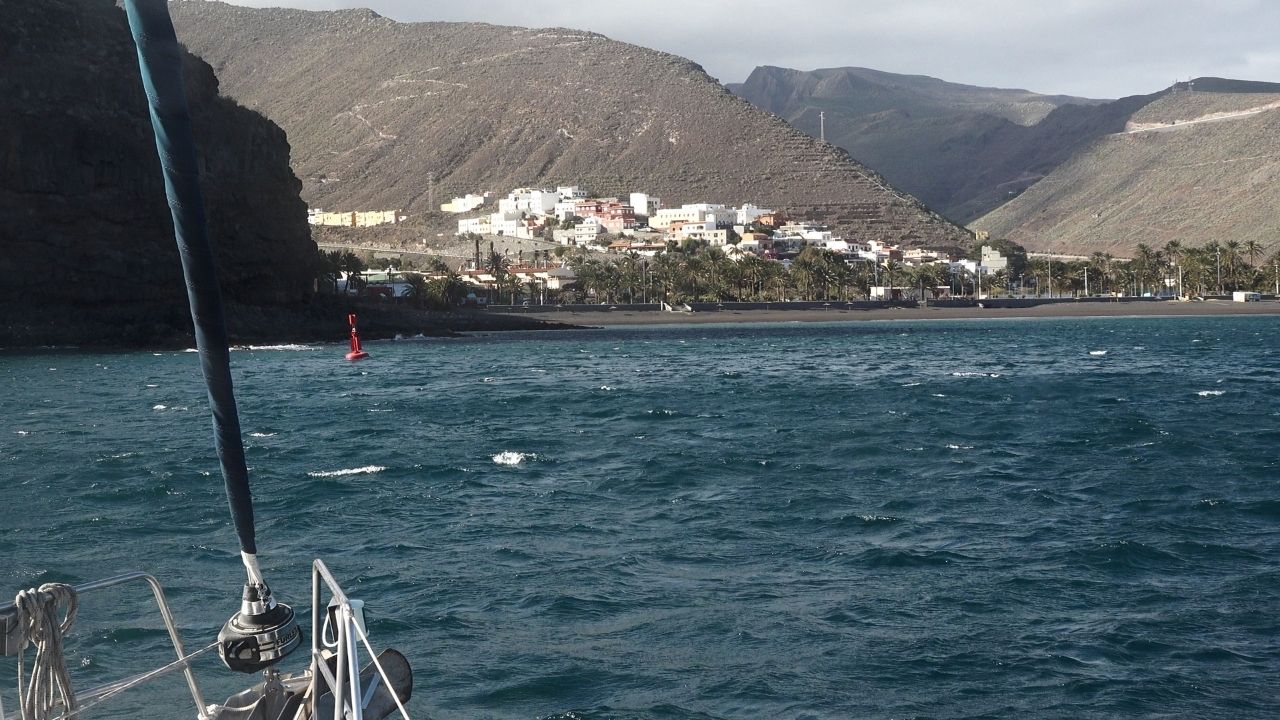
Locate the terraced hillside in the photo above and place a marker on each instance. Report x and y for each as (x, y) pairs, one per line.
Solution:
(383, 114)
(1192, 167)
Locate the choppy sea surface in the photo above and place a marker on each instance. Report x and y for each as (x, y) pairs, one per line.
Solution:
(1022, 518)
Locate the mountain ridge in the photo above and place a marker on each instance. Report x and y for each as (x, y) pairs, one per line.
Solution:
(965, 150)
(1192, 167)
(417, 112)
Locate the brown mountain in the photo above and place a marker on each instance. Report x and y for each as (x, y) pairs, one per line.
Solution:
(404, 115)
(1191, 166)
(962, 149)
(86, 246)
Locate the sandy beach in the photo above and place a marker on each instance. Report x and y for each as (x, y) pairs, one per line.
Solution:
(1083, 309)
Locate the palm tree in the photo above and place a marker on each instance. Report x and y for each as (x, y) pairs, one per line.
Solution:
(1234, 258)
(1145, 266)
(418, 289)
(1254, 250)
(497, 267)
(330, 268)
(351, 264)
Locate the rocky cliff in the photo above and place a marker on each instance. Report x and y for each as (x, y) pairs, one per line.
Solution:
(387, 115)
(87, 245)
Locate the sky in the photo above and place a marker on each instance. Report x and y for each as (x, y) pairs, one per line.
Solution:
(1087, 48)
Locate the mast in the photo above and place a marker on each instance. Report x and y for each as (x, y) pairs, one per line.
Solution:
(264, 631)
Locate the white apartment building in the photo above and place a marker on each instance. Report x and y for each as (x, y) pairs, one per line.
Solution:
(564, 209)
(696, 212)
(992, 261)
(466, 203)
(571, 193)
(644, 205)
(749, 213)
(704, 230)
(530, 201)
(586, 232)
(480, 225)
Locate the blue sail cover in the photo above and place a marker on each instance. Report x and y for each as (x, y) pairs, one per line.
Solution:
(160, 61)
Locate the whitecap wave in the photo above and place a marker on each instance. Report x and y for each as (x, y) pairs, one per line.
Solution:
(967, 373)
(1211, 393)
(159, 407)
(606, 388)
(511, 458)
(261, 434)
(1097, 353)
(911, 384)
(288, 347)
(366, 470)
(953, 446)
(22, 432)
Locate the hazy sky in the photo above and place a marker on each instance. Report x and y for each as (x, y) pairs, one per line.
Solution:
(1091, 48)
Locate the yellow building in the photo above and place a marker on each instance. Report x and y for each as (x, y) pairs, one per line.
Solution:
(355, 218)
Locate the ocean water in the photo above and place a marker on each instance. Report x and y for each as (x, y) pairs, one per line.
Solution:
(1023, 518)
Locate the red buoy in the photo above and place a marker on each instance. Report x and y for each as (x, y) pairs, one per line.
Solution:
(357, 353)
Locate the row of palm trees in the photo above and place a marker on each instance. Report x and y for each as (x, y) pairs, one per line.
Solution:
(695, 273)
(1210, 268)
(441, 293)
(706, 274)
(698, 273)
(1175, 269)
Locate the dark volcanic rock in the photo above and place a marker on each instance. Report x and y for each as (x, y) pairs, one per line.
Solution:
(86, 244)
(387, 115)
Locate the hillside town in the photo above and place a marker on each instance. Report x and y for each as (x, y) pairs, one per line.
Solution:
(588, 231)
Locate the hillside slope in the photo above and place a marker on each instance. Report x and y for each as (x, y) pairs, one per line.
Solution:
(404, 115)
(87, 242)
(962, 149)
(1193, 167)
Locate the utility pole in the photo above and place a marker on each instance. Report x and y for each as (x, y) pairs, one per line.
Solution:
(822, 125)
(1217, 253)
(1086, 282)
(1050, 276)
(431, 191)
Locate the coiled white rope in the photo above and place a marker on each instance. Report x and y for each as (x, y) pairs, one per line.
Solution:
(39, 624)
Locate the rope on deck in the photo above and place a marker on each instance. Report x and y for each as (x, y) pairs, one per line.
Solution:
(39, 624)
